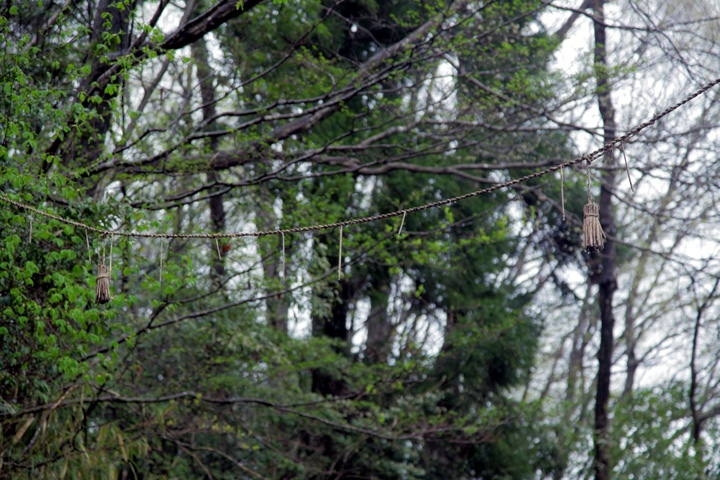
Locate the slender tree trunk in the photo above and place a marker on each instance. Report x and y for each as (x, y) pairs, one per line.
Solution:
(697, 420)
(205, 76)
(692, 394)
(440, 458)
(379, 326)
(276, 307)
(333, 325)
(580, 340)
(604, 273)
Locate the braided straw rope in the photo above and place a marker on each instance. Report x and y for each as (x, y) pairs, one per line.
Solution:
(590, 157)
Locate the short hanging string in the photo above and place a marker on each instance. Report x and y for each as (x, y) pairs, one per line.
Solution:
(217, 245)
(587, 166)
(87, 241)
(340, 253)
(562, 193)
(627, 169)
(162, 242)
(402, 222)
(31, 229)
(283, 257)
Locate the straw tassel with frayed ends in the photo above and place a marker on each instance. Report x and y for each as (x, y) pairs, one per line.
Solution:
(593, 235)
(102, 290)
(102, 287)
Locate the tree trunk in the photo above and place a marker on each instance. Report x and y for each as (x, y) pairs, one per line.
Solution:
(276, 307)
(379, 324)
(697, 420)
(205, 76)
(580, 339)
(334, 326)
(604, 272)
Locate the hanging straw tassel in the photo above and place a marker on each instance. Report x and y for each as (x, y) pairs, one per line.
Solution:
(102, 290)
(593, 235)
(102, 287)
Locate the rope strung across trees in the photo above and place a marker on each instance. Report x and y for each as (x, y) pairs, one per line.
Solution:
(589, 158)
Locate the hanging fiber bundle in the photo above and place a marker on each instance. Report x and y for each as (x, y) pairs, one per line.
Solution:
(593, 235)
(102, 290)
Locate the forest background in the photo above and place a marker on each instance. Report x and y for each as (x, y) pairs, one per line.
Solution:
(474, 340)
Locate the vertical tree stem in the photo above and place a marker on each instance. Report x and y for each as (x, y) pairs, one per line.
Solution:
(603, 272)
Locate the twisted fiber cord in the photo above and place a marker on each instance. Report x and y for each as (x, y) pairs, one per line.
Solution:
(589, 158)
